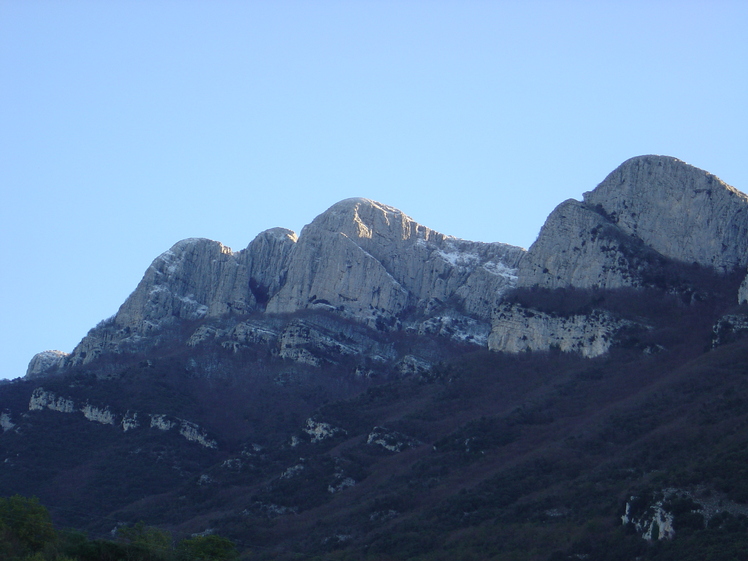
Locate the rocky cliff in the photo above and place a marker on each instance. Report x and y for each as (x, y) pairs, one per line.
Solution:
(649, 208)
(372, 261)
(297, 395)
(369, 262)
(678, 210)
(359, 259)
(517, 329)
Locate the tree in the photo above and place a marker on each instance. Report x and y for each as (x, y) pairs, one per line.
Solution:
(146, 543)
(25, 527)
(206, 548)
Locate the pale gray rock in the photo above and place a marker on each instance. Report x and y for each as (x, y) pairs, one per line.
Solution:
(360, 259)
(329, 270)
(680, 211)
(391, 440)
(728, 328)
(97, 414)
(319, 431)
(579, 247)
(648, 208)
(518, 329)
(372, 261)
(743, 291)
(194, 279)
(45, 363)
(197, 278)
(5, 421)
(654, 523)
(266, 258)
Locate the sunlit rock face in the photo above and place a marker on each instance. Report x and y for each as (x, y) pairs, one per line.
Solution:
(654, 205)
(682, 212)
(361, 259)
(373, 261)
(45, 363)
(266, 258)
(579, 247)
(195, 278)
(517, 329)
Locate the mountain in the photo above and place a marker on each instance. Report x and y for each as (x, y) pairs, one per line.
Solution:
(373, 389)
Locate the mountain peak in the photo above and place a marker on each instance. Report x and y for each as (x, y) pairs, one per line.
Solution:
(679, 210)
(358, 217)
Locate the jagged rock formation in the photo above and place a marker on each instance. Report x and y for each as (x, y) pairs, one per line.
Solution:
(680, 211)
(45, 362)
(649, 207)
(359, 259)
(579, 247)
(43, 399)
(371, 263)
(517, 329)
(352, 423)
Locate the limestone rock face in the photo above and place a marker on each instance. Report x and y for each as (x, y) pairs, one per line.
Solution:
(678, 210)
(365, 260)
(579, 247)
(650, 207)
(743, 291)
(374, 261)
(45, 363)
(266, 258)
(517, 329)
(197, 278)
(194, 279)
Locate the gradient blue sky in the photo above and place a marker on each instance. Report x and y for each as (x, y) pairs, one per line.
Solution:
(126, 126)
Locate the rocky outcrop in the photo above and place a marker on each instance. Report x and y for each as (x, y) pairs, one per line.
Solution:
(743, 292)
(5, 421)
(729, 328)
(98, 414)
(45, 363)
(649, 208)
(678, 210)
(654, 523)
(266, 258)
(360, 259)
(197, 278)
(391, 440)
(579, 247)
(43, 399)
(372, 261)
(319, 431)
(517, 329)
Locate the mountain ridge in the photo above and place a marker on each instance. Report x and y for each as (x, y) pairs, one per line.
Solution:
(372, 262)
(373, 389)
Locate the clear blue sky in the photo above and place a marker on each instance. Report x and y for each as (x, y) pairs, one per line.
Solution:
(126, 126)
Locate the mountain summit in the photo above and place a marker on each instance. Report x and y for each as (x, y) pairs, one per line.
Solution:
(374, 389)
(371, 263)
